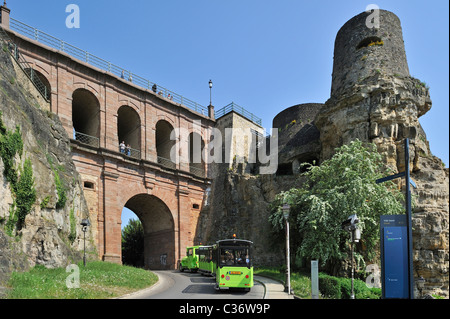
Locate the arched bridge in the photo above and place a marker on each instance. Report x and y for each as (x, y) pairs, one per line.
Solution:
(101, 106)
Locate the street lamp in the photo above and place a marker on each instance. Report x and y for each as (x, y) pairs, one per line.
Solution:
(286, 208)
(350, 226)
(210, 87)
(85, 223)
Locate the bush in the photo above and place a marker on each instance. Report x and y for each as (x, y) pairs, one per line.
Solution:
(329, 286)
(341, 288)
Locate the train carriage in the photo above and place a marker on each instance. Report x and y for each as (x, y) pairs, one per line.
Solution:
(206, 264)
(191, 261)
(234, 267)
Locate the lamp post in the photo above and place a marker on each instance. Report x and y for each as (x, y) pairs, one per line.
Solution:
(85, 223)
(210, 94)
(286, 208)
(350, 225)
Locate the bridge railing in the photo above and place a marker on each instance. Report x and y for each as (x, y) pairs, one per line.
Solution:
(200, 172)
(240, 110)
(166, 162)
(9, 46)
(87, 139)
(104, 65)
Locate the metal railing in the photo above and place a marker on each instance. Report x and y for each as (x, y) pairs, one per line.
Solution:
(240, 110)
(200, 172)
(131, 152)
(9, 46)
(166, 162)
(104, 65)
(87, 139)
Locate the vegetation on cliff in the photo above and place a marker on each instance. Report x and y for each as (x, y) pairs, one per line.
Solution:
(22, 183)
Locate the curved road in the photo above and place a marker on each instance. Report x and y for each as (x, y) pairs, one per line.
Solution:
(173, 284)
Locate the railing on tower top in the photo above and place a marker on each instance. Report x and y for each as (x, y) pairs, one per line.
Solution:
(104, 65)
(240, 110)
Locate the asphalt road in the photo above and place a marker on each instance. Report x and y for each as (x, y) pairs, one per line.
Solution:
(173, 284)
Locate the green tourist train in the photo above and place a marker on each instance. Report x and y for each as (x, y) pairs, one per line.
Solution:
(228, 260)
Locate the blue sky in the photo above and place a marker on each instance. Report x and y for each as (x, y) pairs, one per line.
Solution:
(263, 55)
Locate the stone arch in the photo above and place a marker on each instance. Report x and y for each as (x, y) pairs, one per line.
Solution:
(163, 142)
(86, 116)
(129, 128)
(159, 230)
(196, 148)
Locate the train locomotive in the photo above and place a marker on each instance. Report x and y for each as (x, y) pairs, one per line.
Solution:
(228, 260)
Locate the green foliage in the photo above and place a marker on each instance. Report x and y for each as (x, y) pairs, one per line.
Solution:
(133, 243)
(329, 286)
(25, 192)
(341, 288)
(22, 187)
(60, 189)
(10, 145)
(73, 226)
(341, 186)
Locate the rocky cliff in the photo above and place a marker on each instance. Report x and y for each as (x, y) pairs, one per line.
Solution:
(50, 233)
(373, 99)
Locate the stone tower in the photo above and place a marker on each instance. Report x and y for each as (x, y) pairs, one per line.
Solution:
(374, 99)
(363, 46)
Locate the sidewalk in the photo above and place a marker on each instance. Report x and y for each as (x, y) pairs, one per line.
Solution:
(274, 288)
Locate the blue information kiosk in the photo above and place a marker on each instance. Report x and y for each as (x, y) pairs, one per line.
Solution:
(394, 257)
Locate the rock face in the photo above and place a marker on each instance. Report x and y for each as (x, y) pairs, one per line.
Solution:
(374, 99)
(51, 234)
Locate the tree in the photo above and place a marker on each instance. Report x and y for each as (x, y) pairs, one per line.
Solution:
(133, 243)
(341, 186)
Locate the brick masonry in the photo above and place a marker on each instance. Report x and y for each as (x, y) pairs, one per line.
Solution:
(168, 201)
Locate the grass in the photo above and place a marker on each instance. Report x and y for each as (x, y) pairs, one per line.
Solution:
(300, 281)
(301, 284)
(98, 280)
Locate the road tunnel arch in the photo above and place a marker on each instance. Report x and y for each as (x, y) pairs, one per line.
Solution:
(159, 230)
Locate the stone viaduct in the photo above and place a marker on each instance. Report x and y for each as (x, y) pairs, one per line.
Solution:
(101, 105)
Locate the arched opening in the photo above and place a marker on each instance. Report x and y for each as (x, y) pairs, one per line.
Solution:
(196, 149)
(86, 117)
(132, 239)
(370, 41)
(159, 230)
(41, 82)
(129, 131)
(164, 144)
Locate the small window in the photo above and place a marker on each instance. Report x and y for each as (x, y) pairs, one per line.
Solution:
(89, 185)
(370, 41)
(195, 206)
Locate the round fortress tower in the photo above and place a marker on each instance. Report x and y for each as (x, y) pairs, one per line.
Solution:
(363, 46)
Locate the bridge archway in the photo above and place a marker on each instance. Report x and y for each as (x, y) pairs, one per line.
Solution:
(196, 149)
(129, 127)
(163, 142)
(86, 116)
(159, 230)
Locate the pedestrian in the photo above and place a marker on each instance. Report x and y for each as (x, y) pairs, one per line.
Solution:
(122, 147)
(128, 150)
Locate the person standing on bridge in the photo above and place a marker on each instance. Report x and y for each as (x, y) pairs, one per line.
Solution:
(122, 147)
